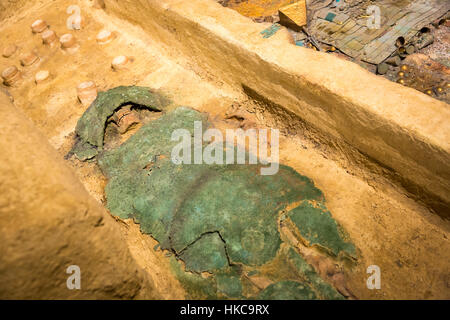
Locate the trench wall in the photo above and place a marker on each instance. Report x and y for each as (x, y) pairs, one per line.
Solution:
(50, 222)
(401, 130)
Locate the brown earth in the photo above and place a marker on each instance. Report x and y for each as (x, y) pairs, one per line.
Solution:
(256, 8)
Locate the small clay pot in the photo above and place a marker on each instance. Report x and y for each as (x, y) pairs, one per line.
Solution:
(87, 92)
(39, 26)
(11, 75)
(49, 37)
(9, 50)
(104, 37)
(41, 76)
(28, 59)
(119, 62)
(67, 41)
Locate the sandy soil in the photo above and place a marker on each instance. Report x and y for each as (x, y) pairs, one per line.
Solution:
(257, 8)
(407, 241)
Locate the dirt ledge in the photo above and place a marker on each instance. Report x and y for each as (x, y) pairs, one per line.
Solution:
(50, 222)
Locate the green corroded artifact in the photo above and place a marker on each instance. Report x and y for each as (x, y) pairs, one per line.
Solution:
(91, 127)
(222, 220)
(287, 290)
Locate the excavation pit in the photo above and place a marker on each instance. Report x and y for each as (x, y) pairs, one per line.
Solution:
(376, 151)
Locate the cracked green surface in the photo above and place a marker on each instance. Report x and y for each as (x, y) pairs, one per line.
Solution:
(305, 272)
(287, 290)
(220, 219)
(316, 225)
(206, 254)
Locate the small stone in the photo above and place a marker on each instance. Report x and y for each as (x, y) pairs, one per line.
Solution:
(49, 37)
(394, 61)
(9, 72)
(410, 49)
(39, 26)
(67, 41)
(104, 37)
(9, 50)
(119, 62)
(425, 40)
(10, 75)
(87, 92)
(41, 76)
(382, 68)
(28, 59)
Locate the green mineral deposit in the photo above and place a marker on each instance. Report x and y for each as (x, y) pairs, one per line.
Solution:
(216, 219)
